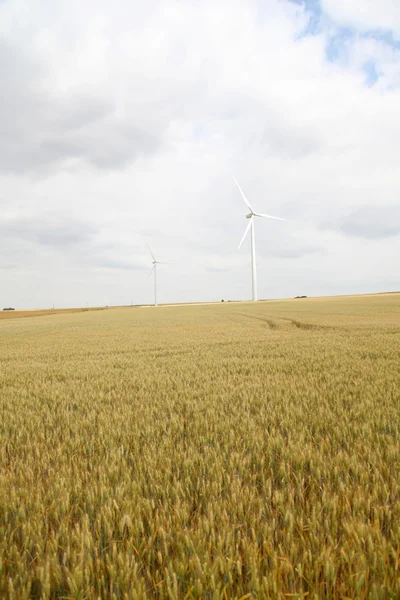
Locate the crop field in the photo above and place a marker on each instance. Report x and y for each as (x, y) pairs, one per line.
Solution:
(19, 314)
(226, 451)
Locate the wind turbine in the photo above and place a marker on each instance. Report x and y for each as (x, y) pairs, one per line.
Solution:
(250, 225)
(154, 268)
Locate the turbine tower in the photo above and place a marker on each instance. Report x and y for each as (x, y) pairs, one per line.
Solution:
(250, 225)
(154, 268)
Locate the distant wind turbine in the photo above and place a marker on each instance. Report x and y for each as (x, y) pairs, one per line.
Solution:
(253, 246)
(154, 268)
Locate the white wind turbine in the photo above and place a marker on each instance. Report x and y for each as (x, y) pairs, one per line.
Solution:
(250, 225)
(154, 268)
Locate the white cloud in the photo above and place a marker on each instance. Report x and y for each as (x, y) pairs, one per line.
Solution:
(365, 14)
(123, 123)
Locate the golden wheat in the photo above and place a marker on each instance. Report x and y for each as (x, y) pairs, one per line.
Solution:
(222, 451)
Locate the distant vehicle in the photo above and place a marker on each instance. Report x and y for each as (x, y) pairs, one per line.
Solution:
(300, 297)
(9, 308)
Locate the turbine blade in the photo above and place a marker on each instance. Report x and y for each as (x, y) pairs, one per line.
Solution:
(159, 262)
(246, 232)
(268, 216)
(243, 196)
(152, 255)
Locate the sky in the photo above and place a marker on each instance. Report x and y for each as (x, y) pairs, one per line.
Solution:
(122, 125)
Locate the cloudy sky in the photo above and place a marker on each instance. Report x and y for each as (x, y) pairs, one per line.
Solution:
(122, 124)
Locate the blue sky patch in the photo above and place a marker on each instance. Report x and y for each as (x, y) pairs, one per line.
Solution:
(371, 73)
(337, 46)
(314, 12)
(383, 36)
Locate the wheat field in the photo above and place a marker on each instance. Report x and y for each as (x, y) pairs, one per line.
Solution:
(223, 451)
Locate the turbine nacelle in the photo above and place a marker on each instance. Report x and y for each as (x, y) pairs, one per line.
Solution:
(249, 215)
